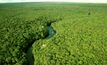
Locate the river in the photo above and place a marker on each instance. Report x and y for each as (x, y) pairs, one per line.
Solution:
(30, 57)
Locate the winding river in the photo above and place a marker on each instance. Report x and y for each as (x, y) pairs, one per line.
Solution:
(30, 57)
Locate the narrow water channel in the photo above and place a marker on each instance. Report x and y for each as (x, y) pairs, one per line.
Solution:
(30, 57)
(51, 32)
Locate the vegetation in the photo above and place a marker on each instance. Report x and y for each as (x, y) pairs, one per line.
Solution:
(80, 38)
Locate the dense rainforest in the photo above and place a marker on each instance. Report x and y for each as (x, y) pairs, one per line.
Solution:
(79, 37)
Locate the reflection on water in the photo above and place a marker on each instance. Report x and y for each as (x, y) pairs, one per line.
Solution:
(51, 32)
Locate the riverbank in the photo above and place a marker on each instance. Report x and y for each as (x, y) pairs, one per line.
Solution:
(30, 57)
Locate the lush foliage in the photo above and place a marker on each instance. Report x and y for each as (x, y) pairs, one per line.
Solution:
(80, 39)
